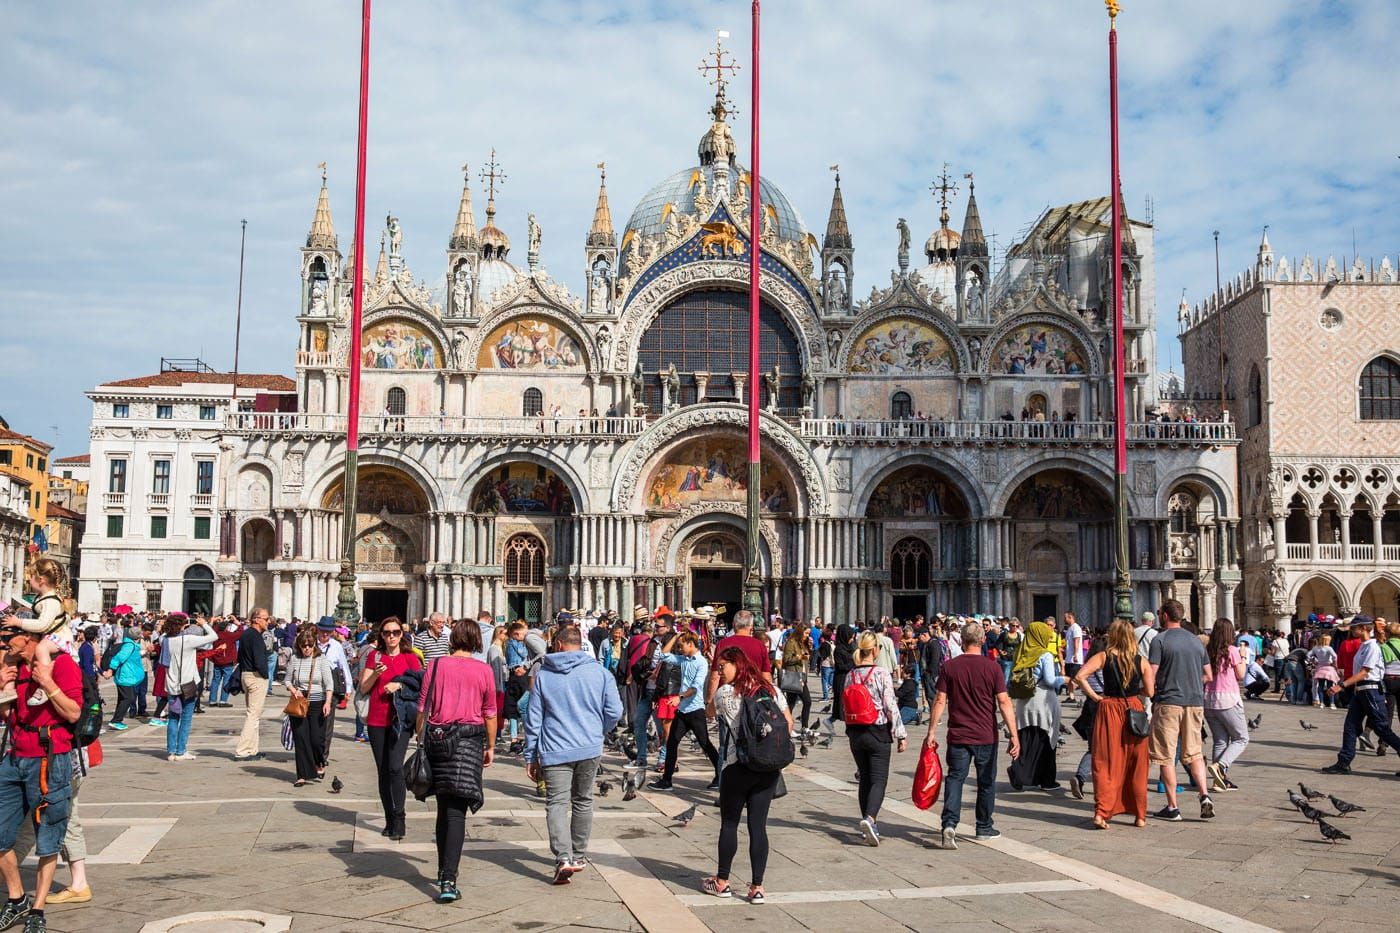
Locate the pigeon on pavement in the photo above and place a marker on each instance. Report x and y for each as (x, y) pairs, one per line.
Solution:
(1343, 808)
(1254, 723)
(1307, 726)
(686, 816)
(604, 788)
(1313, 813)
(336, 785)
(1330, 832)
(1309, 793)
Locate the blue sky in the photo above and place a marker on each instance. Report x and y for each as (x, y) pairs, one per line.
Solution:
(138, 135)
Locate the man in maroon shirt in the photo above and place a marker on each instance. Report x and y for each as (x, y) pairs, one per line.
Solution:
(971, 688)
(36, 771)
(754, 648)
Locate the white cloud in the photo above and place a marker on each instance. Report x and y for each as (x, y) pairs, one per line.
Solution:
(139, 135)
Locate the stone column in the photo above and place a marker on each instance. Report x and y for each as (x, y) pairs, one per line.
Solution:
(702, 381)
(298, 543)
(1345, 518)
(1376, 530)
(739, 380)
(1227, 600)
(1209, 606)
(1280, 550)
(279, 605)
(1312, 534)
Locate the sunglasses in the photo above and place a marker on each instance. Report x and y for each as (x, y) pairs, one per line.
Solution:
(391, 631)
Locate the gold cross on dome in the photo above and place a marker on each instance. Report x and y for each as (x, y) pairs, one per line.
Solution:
(944, 188)
(722, 65)
(491, 175)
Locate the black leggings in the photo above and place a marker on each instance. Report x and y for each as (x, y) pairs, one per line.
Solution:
(739, 788)
(126, 703)
(792, 696)
(838, 683)
(871, 747)
(695, 723)
(389, 743)
(306, 740)
(451, 832)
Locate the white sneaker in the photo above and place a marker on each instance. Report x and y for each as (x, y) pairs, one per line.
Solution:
(39, 697)
(187, 756)
(949, 837)
(868, 832)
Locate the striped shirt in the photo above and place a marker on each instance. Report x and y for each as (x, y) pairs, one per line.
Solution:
(431, 647)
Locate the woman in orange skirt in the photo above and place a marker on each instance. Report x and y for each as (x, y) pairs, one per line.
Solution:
(1120, 757)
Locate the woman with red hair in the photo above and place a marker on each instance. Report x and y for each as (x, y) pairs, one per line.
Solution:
(741, 787)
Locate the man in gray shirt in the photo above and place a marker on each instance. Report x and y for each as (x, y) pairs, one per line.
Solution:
(1181, 665)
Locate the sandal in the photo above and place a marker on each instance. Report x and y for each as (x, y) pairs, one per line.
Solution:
(711, 887)
(1100, 824)
(756, 894)
(298, 783)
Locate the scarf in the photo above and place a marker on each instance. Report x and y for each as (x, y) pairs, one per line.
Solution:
(1037, 641)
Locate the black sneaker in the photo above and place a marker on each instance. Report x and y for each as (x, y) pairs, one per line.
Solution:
(984, 835)
(36, 923)
(1207, 808)
(13, 913)
(660, 785)
(1170, 814)
(1337, 768)
(1365, 743)
(713, 785)
(447, 891)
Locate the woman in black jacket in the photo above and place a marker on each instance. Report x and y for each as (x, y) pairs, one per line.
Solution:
(844, 662)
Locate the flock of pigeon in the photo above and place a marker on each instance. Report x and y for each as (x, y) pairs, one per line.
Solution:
(1305, 807)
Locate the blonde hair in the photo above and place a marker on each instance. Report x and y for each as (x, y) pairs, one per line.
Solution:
(1324, 640)
(51, 572)
(868, 648)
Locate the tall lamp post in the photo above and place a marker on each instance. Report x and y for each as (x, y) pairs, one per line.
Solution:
(1122, 578)
(753, 584)
(346, 607)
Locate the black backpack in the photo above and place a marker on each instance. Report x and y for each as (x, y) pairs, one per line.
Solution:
(89, 724)
(668, 684)
(761, 736)
(641, 669)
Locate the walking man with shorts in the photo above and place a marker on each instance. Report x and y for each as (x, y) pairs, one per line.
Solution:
(1181, 665)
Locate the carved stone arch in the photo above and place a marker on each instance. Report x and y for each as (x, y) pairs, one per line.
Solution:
(687, 422)
(973, 492)
(693, 519)
(645, 305)
(1058, 318)
(1219, 490)
(428, 322)
(1296, 589)
(939, 321)
(267, 463)
(314, 492)
(460, 494)
(1089, 468)
(254, 488)
(1314, 481)
(564, 319)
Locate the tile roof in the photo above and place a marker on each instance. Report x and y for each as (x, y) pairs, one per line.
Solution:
(6, 435)
(269, 381)
(57, 511)
(77, 458)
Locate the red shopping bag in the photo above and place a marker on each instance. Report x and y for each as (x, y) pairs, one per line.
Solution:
(928, 778)
(94, 753)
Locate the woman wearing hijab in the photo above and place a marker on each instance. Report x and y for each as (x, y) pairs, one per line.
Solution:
(843, 660)
(1038, 716)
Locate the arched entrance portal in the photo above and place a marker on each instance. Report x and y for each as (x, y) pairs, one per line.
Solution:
(1062, 546)
(1381, 599)
(198, 596)
(919, 525)
(715, 571)
(390, 515)
(523, 571)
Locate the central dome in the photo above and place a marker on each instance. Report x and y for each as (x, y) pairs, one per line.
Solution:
(648, 218)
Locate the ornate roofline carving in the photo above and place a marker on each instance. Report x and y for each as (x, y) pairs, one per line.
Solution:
(727, 275)
(689, 421)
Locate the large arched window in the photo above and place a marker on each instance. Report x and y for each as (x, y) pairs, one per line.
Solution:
(707, 332)
(533, 402)
(901, 406)
(1255, 413)
(909, 565)
(1380, 390)
(524, 561)
(396, 401)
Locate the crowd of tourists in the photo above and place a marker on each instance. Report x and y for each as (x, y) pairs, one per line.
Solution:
(747, 694)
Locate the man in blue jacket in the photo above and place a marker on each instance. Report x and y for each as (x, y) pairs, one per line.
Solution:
(573, 703)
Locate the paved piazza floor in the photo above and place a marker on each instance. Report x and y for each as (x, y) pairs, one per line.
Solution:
(214, 836)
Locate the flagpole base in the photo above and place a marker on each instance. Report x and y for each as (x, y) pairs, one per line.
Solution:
(753, 582)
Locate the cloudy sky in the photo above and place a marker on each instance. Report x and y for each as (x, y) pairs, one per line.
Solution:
(139, 134)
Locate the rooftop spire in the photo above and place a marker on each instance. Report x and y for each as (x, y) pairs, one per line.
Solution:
(973, 240)
(464, 232)
(381, 271)
(494, 242)
(322, 234)
(943, 189)
(602, 232)
(838, 234)
(492, 174)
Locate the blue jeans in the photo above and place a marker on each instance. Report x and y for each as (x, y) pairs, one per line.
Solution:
(1366, 704)
(646, 707)
(1299, 687)
(20, 795)
(1006, 671)
(177, 728)
(271, 666)
(828, 675)
(218, 684)
(960, 758)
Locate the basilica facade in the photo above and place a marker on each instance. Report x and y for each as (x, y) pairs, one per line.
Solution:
(935, 437)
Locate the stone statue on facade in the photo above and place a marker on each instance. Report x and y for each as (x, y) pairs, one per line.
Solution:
(599, 297)
(670, 389)
(318, 297)
(905, 238)
(833, 349)
(462, 288)
(973, 286)
(1275, 493)
(391, 224)
(532, 241)
(809, 390)
(835, 291)
(637, 381)
(1278, 584)
(459, 347)
(604, 343)
(773, 381)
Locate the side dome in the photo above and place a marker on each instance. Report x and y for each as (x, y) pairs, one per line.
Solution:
(648, 217)
(492, 276)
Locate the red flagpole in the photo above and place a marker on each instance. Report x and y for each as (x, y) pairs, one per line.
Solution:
(1122, 590)
(346, 609)
(753, 589)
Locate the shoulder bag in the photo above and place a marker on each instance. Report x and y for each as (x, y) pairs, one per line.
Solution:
(1138, 723)
(301, 706)
(417, 770)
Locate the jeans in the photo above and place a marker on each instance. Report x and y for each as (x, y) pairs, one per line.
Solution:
(218, 684)
(1006, 670)
(1298, 682)
(569, 807)
(1229, 734)
(177, 728)
(20, 795)
(871, 746)
(141, 695)
(960, 758)
(1365, 705)
(1085, 771)
(641, 715)
(388, 744)
(828, 675)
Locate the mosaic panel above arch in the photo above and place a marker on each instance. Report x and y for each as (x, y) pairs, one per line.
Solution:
(531, 343)
(916, 491)
(1057, 495)
(715, 469)
(900, 346)
(522, 487)
(399, 344)
(379, 489)
(1039, 349)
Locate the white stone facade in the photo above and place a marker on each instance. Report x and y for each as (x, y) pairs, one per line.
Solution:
(14, 536)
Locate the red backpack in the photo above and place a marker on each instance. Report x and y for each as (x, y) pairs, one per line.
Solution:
(857, 705)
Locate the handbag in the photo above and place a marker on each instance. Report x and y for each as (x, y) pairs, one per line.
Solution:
(287, 741)
(301, 706)
(189, 691)
(1138, 723)
(417, 770)
(791, 681)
